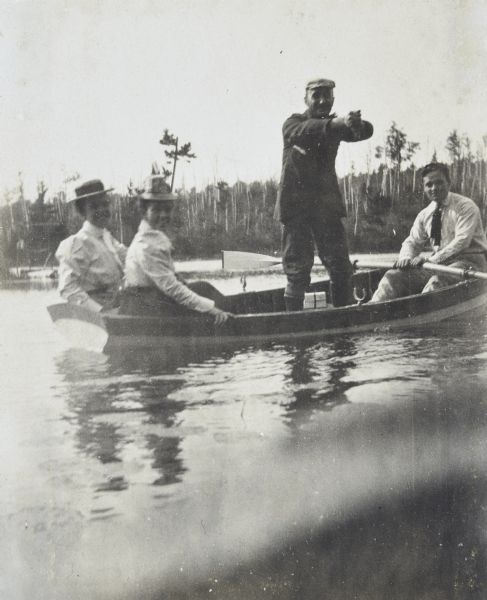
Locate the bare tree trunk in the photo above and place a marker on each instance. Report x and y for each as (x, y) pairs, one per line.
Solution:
(174, 165)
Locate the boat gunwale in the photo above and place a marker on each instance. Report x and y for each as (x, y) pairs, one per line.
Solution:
(154, 331)
(366, 306)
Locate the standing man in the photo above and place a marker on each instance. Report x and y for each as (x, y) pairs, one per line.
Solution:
(91, 261)
(450, 226)
(309, 203)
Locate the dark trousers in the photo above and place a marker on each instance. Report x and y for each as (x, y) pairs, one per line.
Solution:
(299, 238)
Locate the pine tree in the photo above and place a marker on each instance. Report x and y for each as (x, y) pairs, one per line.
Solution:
(175, 153)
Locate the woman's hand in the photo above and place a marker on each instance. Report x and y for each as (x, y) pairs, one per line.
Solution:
(220, 316)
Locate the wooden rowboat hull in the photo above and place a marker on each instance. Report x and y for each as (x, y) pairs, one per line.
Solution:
(259, 317)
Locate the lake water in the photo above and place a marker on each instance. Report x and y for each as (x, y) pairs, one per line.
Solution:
(140, 474)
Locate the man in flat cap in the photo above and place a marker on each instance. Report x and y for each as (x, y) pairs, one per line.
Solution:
(91, 261)
(309, 204)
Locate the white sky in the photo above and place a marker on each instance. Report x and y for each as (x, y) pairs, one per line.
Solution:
(90, 85)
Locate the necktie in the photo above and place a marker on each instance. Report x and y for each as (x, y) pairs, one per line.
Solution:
(436, 226)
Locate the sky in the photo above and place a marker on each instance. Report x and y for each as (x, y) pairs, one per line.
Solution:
(88, 86)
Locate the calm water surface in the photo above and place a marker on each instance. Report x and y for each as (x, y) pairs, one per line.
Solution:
(100, 451)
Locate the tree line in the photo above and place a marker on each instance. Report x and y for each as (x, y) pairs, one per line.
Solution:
(381, 205)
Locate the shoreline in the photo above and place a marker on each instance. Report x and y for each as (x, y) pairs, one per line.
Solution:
(211, 266)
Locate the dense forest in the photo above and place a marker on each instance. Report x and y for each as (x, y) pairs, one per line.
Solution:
(381, 205)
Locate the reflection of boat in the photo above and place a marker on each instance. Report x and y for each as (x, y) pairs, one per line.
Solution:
(260, 316)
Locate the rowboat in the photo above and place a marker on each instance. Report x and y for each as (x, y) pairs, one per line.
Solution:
(260, 316)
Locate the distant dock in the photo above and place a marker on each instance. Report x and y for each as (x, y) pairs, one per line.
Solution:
(32, 273)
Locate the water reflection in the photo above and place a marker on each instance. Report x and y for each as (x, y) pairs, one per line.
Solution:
(111, 401)
(150, 413)
(123, 451)
(317, 378)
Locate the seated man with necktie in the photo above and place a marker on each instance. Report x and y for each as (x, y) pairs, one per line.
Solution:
(450, 226)
(91, 261)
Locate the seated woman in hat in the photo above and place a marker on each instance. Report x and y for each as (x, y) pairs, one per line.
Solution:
(91, 261)
(151, 283)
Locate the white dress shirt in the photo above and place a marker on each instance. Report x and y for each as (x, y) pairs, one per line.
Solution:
(90, 260)
(461, 231)
(149, 264)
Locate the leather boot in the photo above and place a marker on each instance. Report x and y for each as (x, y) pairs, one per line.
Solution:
(341, 293)
(293, 303)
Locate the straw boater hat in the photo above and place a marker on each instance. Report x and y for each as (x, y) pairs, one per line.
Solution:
(90, 189)
(157, 190)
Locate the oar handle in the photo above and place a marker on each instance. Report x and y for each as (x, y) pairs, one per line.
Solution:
(367, 264)
(466, 273)
(435, 268)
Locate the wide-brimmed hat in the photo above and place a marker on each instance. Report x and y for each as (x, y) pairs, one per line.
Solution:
(157, 190)
(90, 189)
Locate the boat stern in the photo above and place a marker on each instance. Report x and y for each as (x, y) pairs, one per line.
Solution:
(80, 327)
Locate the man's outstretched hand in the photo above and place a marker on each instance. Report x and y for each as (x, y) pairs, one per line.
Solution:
(406, 263)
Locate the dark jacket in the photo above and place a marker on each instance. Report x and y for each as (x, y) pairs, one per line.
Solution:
(309, 184)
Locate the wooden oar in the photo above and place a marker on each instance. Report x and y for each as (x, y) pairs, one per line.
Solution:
(441, 269)
(233, 260)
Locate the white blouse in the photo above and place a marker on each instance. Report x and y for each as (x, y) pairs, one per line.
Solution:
(149, 264)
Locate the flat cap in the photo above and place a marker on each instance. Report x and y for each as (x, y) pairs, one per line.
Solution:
(320, 83)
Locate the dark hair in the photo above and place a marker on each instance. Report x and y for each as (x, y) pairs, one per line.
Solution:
(143, 204)
(80, 206)
(81, 203)
(436, 166)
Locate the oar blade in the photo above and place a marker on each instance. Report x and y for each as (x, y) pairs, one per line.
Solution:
(233, 260)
